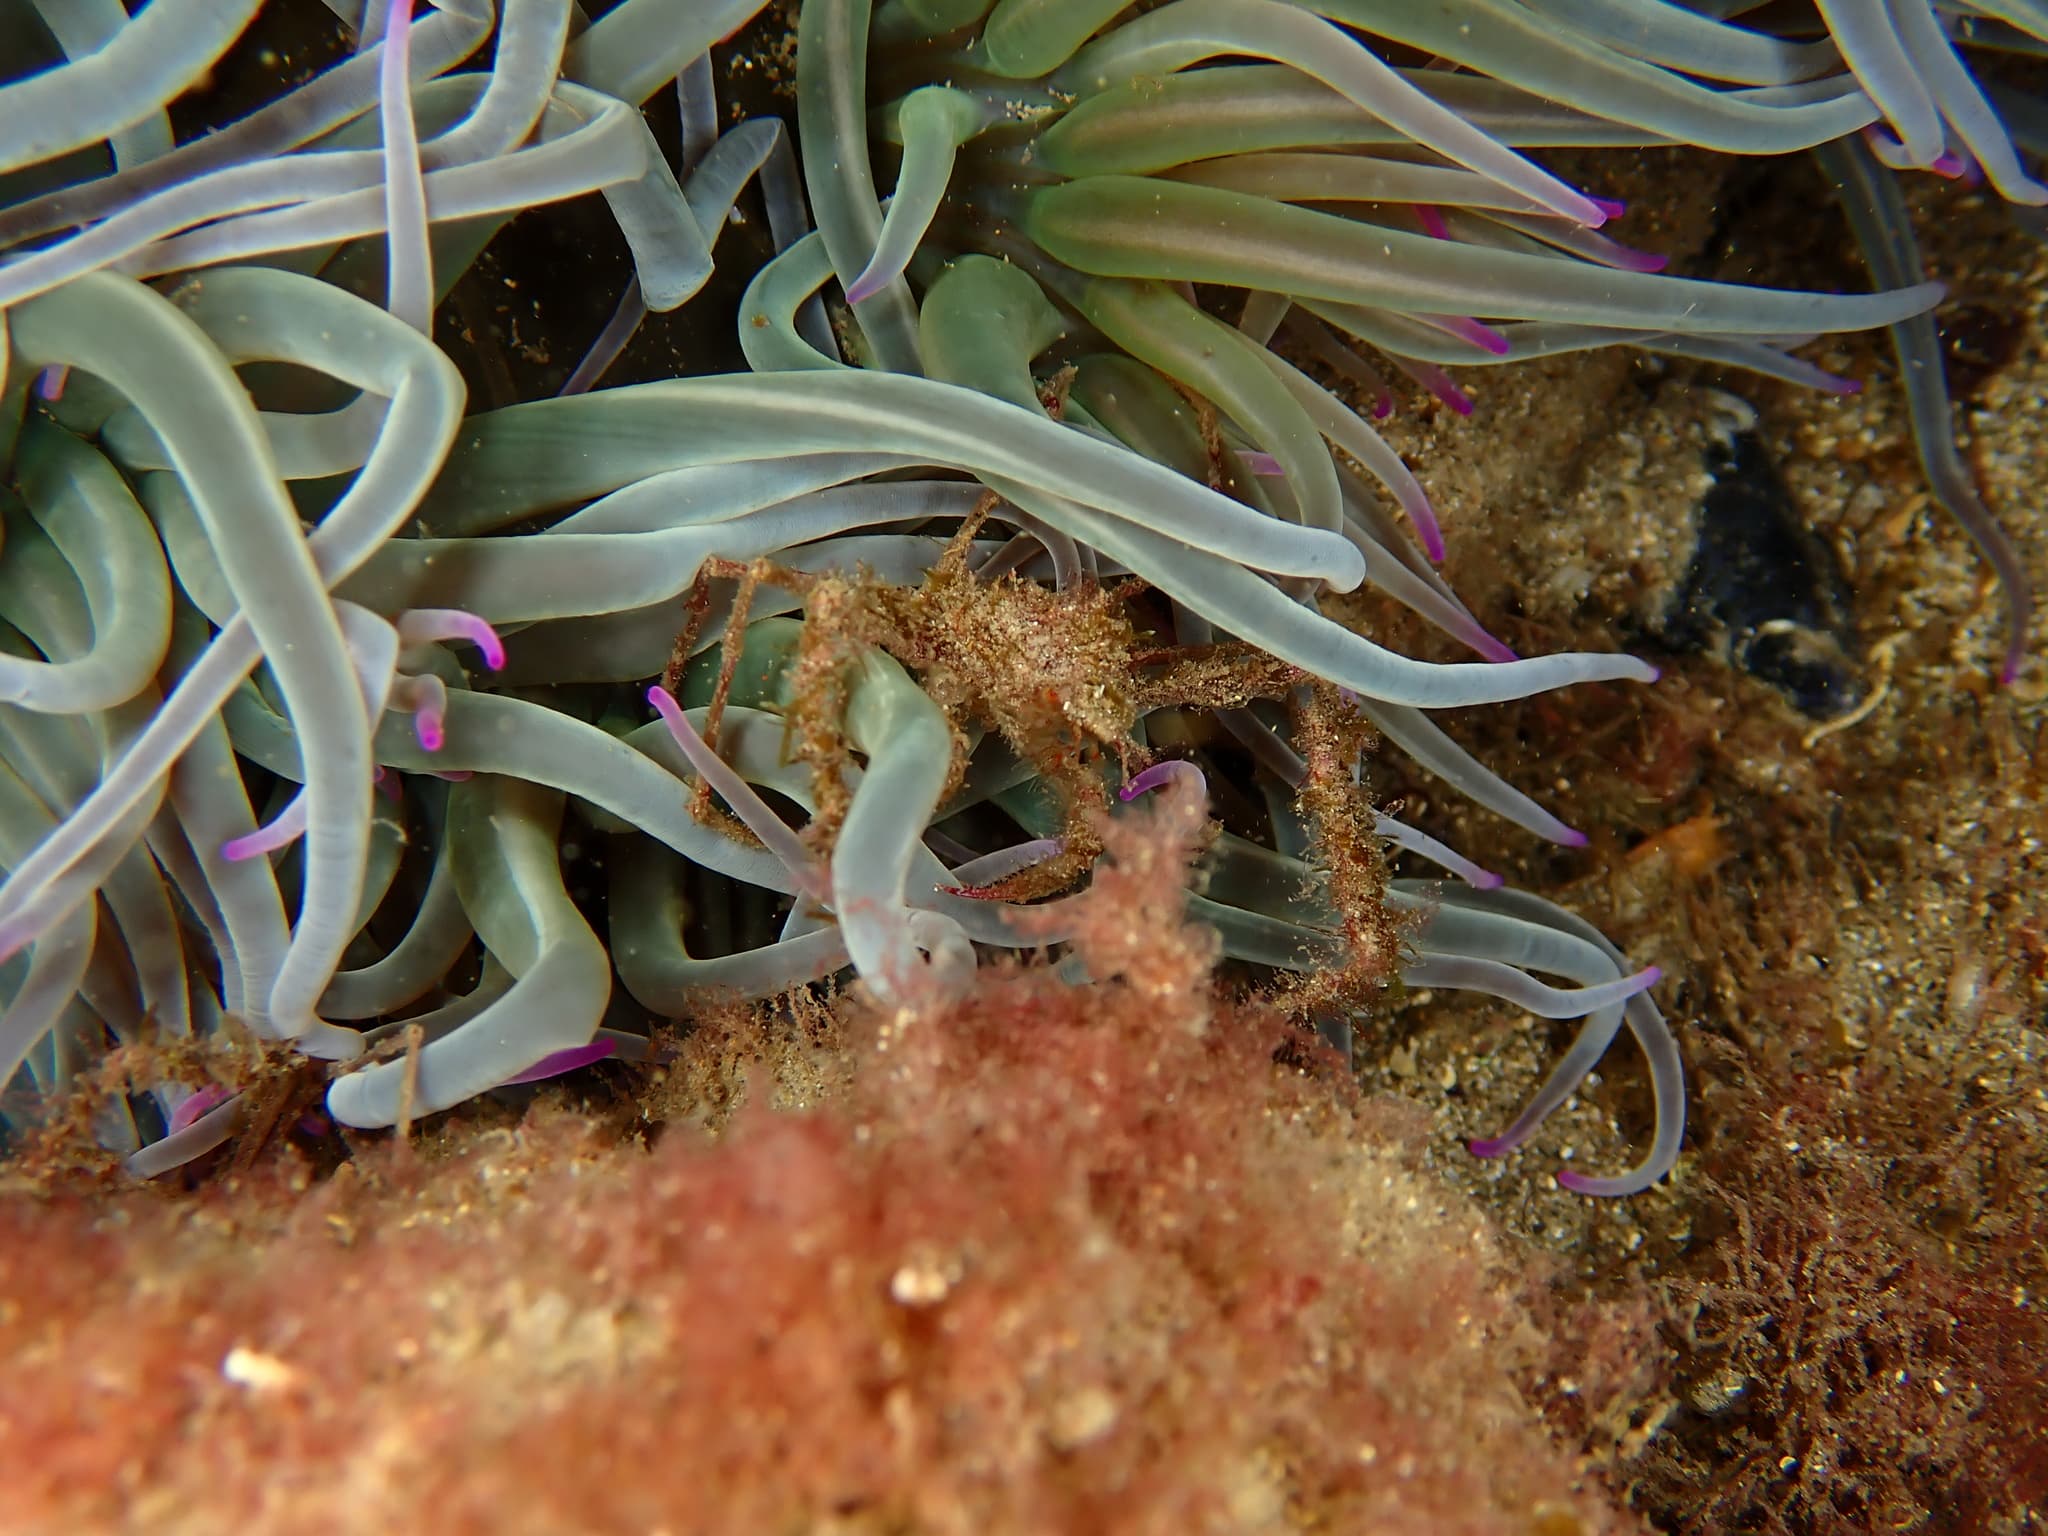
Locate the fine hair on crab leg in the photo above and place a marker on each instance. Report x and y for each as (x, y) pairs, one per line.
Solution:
(1281, 760)
(508, 869)
(1002, 863)
(638, 643)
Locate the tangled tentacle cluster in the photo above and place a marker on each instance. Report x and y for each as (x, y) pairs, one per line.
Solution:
(323, 706)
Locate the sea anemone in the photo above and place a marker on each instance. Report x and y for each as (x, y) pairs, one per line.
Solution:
(326, 705)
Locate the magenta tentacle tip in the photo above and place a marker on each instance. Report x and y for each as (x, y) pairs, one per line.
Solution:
(1572, 837)
(556, 1063)
(204, 1102)
(1612, 207)
(1490, 339)
(1432, 220)
(289, 826)
(1487, 880)
(239, 850)
(1495, 1146)
(422, 626)
(1172, 771)
(1263, 464)
(1382, 407)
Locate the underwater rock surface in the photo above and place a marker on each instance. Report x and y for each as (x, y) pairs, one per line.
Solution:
(1761, 589)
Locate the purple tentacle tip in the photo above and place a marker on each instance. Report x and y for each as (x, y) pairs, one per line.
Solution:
(205, 1101)
(1496, 1146)
(1487, 880)
(1613, 207)
(1572, 837)
(1578, 1183)
(1262, 464)
(1452, 396)
(423, 626)
(1172, 771)
(556, 1063)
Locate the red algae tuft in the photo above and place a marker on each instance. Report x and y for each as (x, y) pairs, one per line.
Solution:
(1073, 1259)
